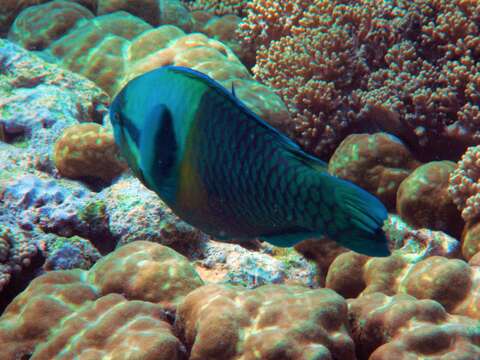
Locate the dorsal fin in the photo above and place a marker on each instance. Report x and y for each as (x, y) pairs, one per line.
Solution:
(215, 86)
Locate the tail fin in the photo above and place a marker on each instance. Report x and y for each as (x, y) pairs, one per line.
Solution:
(365, 213)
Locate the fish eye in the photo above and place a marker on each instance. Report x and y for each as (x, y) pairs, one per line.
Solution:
(116, 117)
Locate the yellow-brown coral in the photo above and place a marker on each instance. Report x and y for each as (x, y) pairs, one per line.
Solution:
(148, 271)
(402, 327)
(270, 322)
(87, 150)
(118, 309)
(451, 282)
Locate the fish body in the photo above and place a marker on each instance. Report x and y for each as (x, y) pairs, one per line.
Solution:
(227, 172)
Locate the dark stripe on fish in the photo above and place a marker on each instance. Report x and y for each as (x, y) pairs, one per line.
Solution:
(133, 131)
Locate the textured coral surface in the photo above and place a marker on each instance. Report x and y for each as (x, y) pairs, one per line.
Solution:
(88, 150)
(113, 327)
(72, 312)
(465, 184)
(378, 163)
(406, 67)
(147, 271)
(120, 43)
(271, 322)
(401, 327)
(35, 31)
(423, 199)
(93, 265)
(452, 282)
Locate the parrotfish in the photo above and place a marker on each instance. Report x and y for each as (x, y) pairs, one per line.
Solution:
(227, 172)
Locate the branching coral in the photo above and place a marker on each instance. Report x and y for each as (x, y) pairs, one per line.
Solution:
(218, 7)
(406, 67)
(465, 184)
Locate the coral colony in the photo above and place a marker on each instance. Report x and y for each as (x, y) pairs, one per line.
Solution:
(240, 179)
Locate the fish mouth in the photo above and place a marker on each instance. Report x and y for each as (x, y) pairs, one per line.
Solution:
(382, 252)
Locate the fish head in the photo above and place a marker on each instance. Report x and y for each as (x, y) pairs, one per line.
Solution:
(125, 132)
(371, 244)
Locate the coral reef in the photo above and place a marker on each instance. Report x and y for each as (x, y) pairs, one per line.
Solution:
(26, 254)
(29, 320)
(211, 57)
(116, 46)
(423, 199)
(451, 282)
(471, 240)
(35, 31)
(34, 202)
(377, 163)
(56, 99)
(84, 49)
(465, 184)
(271, 322)
(136, 213)
(233, 264)
(408, 68)
(94, 265)
(155, 12)
(218, 7)
(402, 327)
(322, 252)
(223, 28)
(88, 150)
(16, 253)
(103, 310)
(112, 327)
(147, 271)
(11, 9)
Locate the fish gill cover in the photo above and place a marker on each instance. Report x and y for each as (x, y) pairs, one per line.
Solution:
(386, 91)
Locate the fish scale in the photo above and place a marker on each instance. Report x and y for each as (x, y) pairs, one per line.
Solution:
(233, 175)
(264, 151)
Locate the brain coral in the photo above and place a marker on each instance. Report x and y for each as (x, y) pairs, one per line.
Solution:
(401, 327)
(155, 12)
(113, 48)
(117, 308)
(147, 271)
(113, 328)
(270, 322)
(423, 199)
(451, 282)
(88, 150)
(471, 240)
(84, 49)
(37, 26)
(47, 300)
(11, 8)
(378, 163)
(407, 67)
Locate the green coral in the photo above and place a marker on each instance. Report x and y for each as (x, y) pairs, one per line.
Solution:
(93, 211)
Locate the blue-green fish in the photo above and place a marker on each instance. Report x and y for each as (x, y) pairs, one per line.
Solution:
(224, 170)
